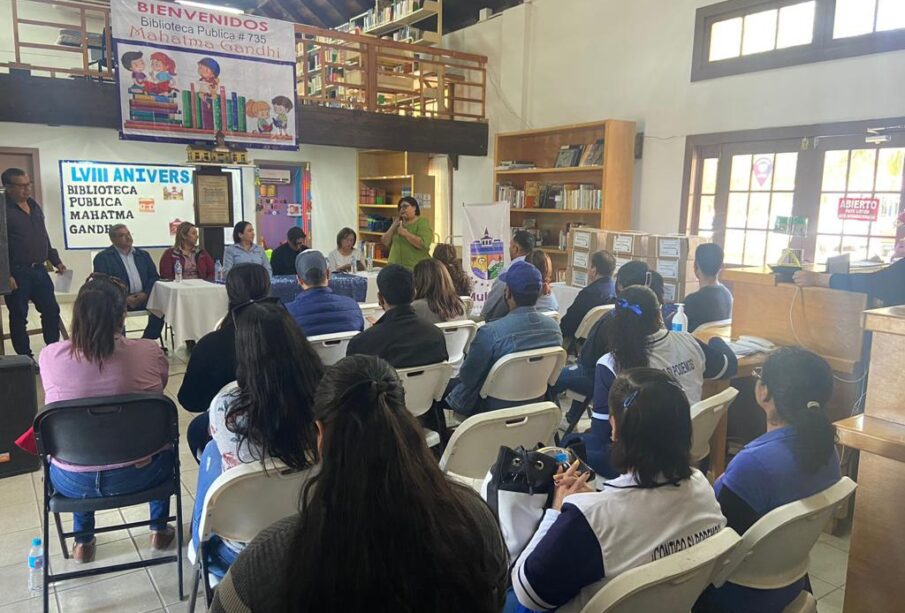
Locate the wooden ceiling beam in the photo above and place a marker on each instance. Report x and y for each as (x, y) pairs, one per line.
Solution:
(327, 13)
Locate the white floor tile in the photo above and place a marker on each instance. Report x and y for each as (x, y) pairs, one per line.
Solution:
(839, 542)
(32, 605)
(14, 582)
(107, 554)
(17, 490)
(821, 588)
(166, 581)
(832, 602)
(132, 593)
(18, 517)
(829, 564)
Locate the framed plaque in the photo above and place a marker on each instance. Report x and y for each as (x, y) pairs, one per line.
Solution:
(213, 199)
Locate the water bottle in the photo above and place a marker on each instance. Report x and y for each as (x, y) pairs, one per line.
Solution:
(680, 319)
(177, 271)
(36, 568)
(218, 272)
(354, 267)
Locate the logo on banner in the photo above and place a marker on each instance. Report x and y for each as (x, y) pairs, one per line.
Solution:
(484, 253)
(762, 169)
(861, 209)
(487, 257)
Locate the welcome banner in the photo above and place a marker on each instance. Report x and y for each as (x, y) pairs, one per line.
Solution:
(485, 237)
(187, 73)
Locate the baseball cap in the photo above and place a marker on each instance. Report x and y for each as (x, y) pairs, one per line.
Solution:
(309, 261)
(522, 278)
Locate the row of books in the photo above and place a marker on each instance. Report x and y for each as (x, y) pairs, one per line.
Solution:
(155, 108)
(567, 196)
(570, 156)
(390, 12)
(221, 112)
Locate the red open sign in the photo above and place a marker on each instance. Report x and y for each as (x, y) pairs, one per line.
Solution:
(862, 209)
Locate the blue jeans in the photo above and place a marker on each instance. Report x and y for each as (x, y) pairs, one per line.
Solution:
(578, 379)
(116, 482)
(220, 556)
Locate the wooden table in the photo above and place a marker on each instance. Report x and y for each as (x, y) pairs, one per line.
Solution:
(877, 553)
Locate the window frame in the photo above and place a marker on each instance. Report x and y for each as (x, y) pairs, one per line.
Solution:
(823, 46)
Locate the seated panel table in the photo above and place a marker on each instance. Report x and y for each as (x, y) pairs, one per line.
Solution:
(371, 276)
(191, 307)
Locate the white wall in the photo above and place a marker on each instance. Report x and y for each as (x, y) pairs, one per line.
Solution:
(555, 62)
(332, 175)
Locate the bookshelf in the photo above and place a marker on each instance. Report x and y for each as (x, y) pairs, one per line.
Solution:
(383, 178)
(610, 209)
(419, 22)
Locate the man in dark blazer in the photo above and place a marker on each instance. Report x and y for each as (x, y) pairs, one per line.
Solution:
(135, 268)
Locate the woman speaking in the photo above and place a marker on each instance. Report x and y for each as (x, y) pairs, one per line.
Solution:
(410, 236)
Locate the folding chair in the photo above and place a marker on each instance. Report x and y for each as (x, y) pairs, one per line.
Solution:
(145, 313)
(423, 386)
(705, 416)
(100, 431)
(524, 375)
(331, 347)
(591, 318)
(554, 315)
(239, 504)
(370, 309)
(474, 445)
(469, 304)
(775, 551)
(667, 585)
(458, 335)
(713, 324)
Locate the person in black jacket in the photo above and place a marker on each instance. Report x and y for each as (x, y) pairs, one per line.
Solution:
(212, 363)
(598, 292)
(282, 260)
(400, 337)
(886, 285)
(137, 271)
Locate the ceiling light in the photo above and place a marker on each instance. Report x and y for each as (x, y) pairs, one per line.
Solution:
(211, 7)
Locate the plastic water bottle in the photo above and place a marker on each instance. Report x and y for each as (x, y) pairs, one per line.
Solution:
(218, 272)
(680, 319)
(354, 268)
(36, 568)
(177, 272)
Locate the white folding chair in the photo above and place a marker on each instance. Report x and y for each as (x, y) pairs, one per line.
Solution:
(667, 585)
(239, 504)
(775, 551)
(524, 375)
(554, 315)
(591, 318)
(469, 304)
(370, 309)
(705, 416)
(423, 385)
(719, 323)
(458, 335)
(331, 347)
(474, 445)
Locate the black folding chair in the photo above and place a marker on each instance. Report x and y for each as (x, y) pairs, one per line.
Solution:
(100, 431)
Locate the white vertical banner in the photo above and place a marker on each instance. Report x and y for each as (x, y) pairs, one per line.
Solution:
(485, 236)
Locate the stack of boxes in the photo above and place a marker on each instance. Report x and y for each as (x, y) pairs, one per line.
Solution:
(671, 255)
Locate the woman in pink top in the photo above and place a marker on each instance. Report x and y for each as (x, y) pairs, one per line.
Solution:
(99, 361)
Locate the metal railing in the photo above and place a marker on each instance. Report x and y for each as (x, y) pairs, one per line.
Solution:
(334, 69)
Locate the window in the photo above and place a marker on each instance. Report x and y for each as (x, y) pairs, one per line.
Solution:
(739, 183)
(738, 36)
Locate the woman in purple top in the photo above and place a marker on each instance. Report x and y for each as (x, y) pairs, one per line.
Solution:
(99, 361)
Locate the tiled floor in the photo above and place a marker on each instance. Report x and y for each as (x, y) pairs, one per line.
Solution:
(155, 589)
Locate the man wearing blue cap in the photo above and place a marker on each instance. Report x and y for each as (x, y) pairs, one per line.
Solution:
(317, 309)
(523, 328)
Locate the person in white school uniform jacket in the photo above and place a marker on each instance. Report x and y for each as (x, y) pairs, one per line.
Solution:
(658, 506)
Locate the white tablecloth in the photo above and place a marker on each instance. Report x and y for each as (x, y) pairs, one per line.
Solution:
(192, 307)
(565, 295)
(372, 284)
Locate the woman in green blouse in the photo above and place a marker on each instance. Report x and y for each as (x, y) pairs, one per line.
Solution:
(410, 236)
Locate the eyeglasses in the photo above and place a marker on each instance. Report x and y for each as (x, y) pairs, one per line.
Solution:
(265, 300)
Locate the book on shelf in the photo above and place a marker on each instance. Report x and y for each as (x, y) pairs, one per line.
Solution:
(532, 191)
(592, 154)
(568, 196)
(515, 165)
(568, 156)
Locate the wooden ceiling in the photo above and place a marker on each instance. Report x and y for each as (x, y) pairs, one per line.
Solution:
(457, 14)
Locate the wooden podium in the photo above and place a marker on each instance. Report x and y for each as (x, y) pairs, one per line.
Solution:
(877, 554)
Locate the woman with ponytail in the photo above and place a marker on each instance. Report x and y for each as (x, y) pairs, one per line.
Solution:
(796, 458)
(638, 339)
(380, 529)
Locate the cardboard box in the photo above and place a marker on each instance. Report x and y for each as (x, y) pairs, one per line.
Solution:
(577, 278)
(580, 260)
(676, 246)
(676, 292)
(627, 243)
(587, 239)
(672, 269)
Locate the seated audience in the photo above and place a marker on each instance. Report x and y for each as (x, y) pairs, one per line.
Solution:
(795, 459)
(317, 309)
(541, 261)
(98, 360)
(212, 363)
(342, 258)
(282, 260)
(638, 339)
(446, 254)
(713, 302)
(244, 250)
(495, 305)
(400, 337)
(436, 299)
(380, 527)
(523, 328)
(598, 292)
(135, 268)
(196, 262)
(266, 414)
(655, 504)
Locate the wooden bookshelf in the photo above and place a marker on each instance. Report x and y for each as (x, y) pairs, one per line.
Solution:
(397, 173)
(541, 147)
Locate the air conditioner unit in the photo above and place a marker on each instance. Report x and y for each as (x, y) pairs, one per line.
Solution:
(275, 175)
